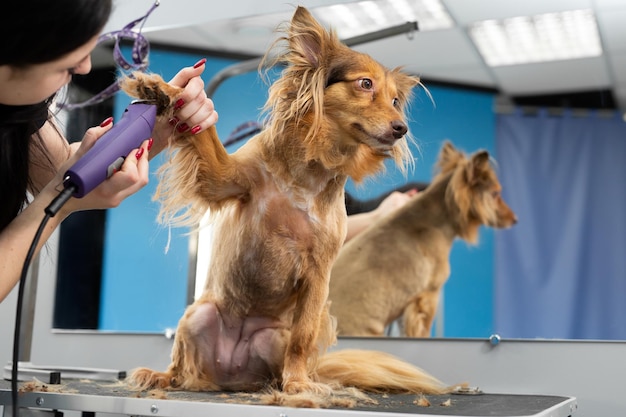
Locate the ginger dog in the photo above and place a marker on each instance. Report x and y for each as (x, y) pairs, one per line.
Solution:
(277, 206)
(397, 266)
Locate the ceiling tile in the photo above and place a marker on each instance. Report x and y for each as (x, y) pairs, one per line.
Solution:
(442, 48)
(468, 11)
(476, 76)
(550, 77)
(609, 4)
(613, 29)
(179, 13)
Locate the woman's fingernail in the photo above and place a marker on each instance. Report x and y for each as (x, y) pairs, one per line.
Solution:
(179, 103)
(106, 122)
(173, 121)
(200, 63)
(195, 129)
(139, 153)
(150, 143)
(182, 127)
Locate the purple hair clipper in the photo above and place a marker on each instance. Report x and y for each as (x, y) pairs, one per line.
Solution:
(108, 153)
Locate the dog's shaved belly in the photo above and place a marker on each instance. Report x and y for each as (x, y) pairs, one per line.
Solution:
(238, 353)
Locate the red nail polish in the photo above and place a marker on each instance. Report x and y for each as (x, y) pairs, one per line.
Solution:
(173, 121)
(200, 63)
(106, 122)
(182, 127)
(139, 153)
(150, 143)
(179, 103)
(195, 129)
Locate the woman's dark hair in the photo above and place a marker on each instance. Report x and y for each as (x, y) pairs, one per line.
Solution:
(37, 31)
(34, 32)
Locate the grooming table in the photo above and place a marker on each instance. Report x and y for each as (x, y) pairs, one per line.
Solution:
(112, 397)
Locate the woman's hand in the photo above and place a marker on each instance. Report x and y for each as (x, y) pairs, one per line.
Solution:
(193, 112)
(130, 178)
(393, 202)
(357, 223)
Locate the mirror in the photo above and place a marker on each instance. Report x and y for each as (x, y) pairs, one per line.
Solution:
(142, 283)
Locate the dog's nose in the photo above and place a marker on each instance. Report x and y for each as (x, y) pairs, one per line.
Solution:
(399, 128)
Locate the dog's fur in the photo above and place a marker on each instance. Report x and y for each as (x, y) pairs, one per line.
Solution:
(279, 220)
(397, 266)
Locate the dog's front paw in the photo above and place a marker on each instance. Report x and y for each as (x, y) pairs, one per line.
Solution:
(151, 88)
(145, 379)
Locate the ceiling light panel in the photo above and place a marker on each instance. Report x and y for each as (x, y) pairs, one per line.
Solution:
(540, 38)
(354, 19)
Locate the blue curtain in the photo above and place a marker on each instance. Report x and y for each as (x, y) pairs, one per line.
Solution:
(561, 271)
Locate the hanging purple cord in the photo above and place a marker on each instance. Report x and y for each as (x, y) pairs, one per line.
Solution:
(139, 55)
(243, 131)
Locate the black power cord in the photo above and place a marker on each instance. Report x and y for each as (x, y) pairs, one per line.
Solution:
(50, 212)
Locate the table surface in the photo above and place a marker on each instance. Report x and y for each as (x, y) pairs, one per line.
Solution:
(114, 397)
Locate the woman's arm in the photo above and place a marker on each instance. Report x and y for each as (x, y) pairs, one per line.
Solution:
(47, 175)
(361, 221)
(16, 238)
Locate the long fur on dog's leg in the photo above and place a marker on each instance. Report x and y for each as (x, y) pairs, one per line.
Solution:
(200, 173)
(376, 371)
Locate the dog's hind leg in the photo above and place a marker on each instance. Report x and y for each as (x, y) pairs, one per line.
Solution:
(419, 314)
(187, 369)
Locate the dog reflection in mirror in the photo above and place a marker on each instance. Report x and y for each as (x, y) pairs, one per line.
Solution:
(396, 268)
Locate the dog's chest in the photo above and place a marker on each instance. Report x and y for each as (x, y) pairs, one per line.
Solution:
(279, 239)
(295, 211)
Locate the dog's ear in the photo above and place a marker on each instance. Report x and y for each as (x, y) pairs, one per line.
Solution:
(308, 38)
(477, 167)
(449, 158)
(405, 84)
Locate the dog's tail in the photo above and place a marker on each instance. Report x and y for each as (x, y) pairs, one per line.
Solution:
(375, 371)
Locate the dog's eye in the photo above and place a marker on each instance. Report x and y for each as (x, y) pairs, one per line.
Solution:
(365, 83)
(495, 194)
(395, 102)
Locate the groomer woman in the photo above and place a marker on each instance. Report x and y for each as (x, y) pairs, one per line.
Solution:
(43, 43)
